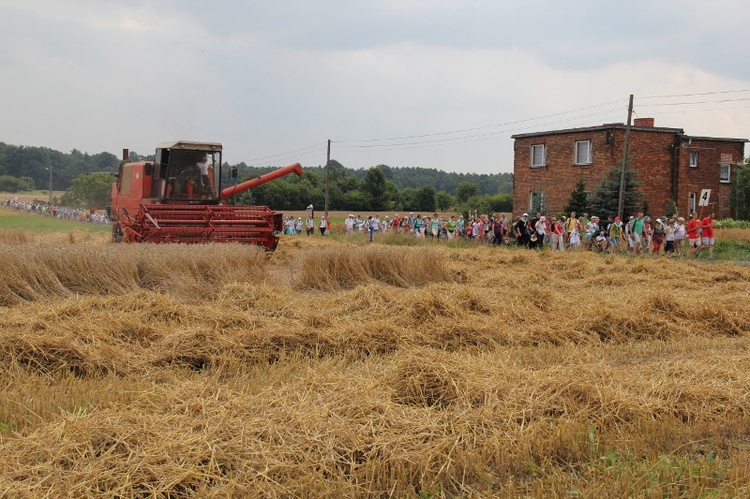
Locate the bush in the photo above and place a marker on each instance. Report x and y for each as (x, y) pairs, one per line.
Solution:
(729, 223)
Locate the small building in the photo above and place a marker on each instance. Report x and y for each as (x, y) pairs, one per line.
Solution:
(669, 164)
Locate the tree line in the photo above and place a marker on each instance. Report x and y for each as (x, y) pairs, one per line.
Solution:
(381, 188)
(87, 181)
(87, 178)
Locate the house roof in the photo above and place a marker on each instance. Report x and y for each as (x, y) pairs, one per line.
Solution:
(723, 139)
(621, 126)
(599, 128)
(190, 145)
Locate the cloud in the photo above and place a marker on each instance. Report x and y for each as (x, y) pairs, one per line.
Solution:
(453, 79)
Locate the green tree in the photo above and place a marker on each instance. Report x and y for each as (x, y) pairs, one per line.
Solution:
(466, 190)
(426, 199)
(445, 201)
(501, 203)
(374, 185)
(357, 201)
(579, 199)
(89, 190)
(9, 183)
(408, 199)
(739, 197)
(606, 198)
(479, 204)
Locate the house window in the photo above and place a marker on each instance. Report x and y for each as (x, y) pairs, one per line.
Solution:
(536, 202)
(694, 159)
(583, 152)
(724, 175)
(691, 202)
(538, 155)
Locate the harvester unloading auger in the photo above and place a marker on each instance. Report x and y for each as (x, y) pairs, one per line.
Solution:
(178, 199)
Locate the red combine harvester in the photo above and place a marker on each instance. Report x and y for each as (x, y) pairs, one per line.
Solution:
(178, 199)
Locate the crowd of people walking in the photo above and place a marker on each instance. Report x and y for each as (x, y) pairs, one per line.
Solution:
(639, 235)
(59, 212)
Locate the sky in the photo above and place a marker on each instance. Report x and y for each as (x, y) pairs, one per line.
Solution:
(408, 83)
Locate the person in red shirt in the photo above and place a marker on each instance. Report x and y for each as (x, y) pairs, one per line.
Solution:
(707, 236)
(694, 235)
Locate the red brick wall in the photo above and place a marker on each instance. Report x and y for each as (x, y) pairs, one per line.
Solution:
(707, 174)
(652, 156)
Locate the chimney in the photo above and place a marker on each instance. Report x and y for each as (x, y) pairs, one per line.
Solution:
(644, 122)
(125, 155)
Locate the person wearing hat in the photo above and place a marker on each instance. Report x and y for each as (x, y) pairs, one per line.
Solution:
(532, 226)
(570, 225)
(541, 231)
(592, 230)
(556, 235)
(522, 231)
(323, 226)
(373, 225)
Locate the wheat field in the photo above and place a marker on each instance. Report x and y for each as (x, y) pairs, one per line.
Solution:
(336, 370)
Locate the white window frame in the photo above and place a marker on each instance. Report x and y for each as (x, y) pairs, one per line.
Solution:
(535, 147)
(694, 159)
(725, 167)
(578, 150)
(692, 202)
(539, 208)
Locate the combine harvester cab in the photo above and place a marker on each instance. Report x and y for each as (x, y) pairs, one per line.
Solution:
(178, 199)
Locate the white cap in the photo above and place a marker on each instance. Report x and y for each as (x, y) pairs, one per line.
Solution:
(525, 214)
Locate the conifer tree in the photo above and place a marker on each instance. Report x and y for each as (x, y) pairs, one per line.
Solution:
(579, 199)
(606, 197)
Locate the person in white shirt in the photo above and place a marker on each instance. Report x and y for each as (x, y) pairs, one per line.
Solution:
(323, 225)
(205, 180)
(374, 225)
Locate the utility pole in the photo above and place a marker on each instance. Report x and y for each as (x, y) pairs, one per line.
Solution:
(328, 164)
(621, 202)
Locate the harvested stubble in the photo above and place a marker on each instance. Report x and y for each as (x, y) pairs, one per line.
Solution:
(510, 373)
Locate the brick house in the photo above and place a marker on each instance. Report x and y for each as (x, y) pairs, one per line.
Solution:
(669, 165)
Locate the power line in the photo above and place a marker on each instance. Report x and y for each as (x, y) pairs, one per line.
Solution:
(288, 153)
(704, 110)
(464, 135)
(473, 137)
(694, 94)
(405, 137)
(695, 102)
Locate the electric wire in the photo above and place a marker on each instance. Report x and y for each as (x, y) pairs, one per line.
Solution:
(479, 127)
(488, 132)
(694, 94)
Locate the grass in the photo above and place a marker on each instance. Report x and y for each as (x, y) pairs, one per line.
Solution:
(12, 219)
(732, 250)
(334, 369)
